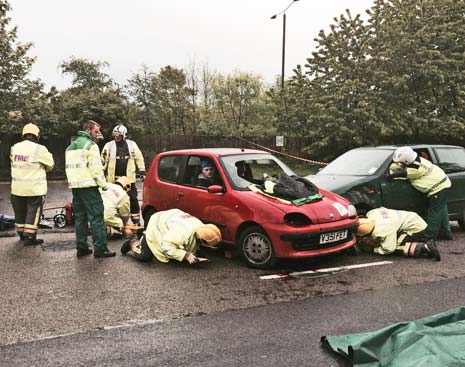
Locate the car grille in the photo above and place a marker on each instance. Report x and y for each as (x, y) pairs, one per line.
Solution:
(312, 242)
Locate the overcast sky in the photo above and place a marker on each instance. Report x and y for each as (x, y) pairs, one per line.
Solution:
(228, 35)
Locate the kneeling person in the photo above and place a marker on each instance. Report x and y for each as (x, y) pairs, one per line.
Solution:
(172, 234)
(116, 205)
(388, 231)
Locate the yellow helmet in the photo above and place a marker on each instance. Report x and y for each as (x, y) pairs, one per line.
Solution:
(365, 227)
(31, 129)
(209, 234)
(124, 182)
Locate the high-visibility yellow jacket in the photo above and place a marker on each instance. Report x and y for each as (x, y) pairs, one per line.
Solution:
(390, 224)
(82, 163)
(135, 158)
(116, 205)
(172, 233)
(29, 163)
(424, 176)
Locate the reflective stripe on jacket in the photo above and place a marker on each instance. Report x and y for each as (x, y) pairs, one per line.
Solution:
(29, 163)
(389, 224)
(172, 233)
(82, 163)
(427, 177)
(116, 205)
(135, 159)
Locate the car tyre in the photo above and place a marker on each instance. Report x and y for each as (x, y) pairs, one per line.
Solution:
(60, 220)
(256, 248)
(147, 214)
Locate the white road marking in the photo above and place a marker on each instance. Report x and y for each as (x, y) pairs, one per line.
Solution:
(126, 325)
(324, 270)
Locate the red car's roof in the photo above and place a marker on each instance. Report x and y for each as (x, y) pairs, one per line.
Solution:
(217, 151)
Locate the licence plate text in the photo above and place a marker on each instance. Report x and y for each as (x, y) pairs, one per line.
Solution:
(333, 236)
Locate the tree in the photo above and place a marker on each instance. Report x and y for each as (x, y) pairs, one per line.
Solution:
(397, 78)
(92, 95)
(86, 74)
(239, 105)
(139, 89)
(193, 92)
(171, 101)
(15, 65)
(417, 58)
(328, 101)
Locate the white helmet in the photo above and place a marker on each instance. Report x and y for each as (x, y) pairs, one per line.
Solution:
(120, 130)
(404, 155)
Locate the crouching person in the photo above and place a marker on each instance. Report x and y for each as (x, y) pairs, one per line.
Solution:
(388, 231)
(172, 234)
(117, 207)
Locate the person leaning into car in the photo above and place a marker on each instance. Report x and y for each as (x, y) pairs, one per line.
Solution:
(172, 235)
(428, 178)
(387, 231)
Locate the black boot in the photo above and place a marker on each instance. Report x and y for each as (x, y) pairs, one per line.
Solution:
(83, 252)
(431, 250)
(104, 253)
(126, 247)
(31, 240)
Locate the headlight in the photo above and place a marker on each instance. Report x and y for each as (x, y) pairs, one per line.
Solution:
(352, 211)
(297, 220)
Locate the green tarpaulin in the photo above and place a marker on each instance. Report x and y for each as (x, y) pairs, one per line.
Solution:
(435, 341)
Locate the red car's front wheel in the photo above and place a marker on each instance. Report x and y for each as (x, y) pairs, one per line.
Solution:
(256, 248)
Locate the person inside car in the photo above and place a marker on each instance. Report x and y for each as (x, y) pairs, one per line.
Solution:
(208, 175)
(243, 171)
(387, 231)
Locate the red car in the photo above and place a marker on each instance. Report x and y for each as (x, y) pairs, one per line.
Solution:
(263, 227)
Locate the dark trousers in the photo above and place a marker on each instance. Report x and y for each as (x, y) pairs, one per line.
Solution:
(134, 201)
(28, 210)
(142, 251)
(88, 208)
(416, 237)
(438, 216)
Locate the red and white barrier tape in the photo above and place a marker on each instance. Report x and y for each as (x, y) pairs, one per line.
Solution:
(284, 154)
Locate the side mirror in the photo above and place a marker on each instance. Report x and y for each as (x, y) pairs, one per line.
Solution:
(215, 189)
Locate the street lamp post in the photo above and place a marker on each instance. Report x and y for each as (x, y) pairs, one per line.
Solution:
(283, 62)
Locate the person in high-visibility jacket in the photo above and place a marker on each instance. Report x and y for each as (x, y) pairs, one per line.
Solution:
(172, 234)
(29, 163)
(430, 179)
(122, 157)
(85, 174)
(116, 207)
(387, 231)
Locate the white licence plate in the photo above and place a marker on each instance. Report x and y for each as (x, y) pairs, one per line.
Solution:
(333, 236)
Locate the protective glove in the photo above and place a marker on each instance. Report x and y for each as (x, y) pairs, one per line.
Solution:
(105, 188)
(397, 174)
(191, 258)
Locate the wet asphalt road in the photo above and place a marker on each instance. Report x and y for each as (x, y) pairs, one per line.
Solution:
(59, 310)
